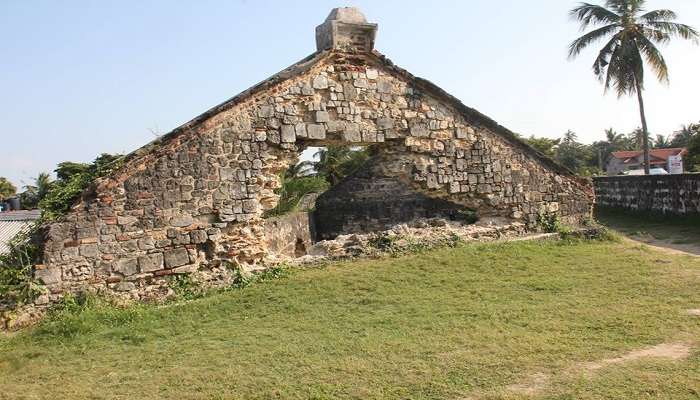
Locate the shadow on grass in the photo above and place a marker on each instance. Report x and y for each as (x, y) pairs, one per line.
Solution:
(668, 231)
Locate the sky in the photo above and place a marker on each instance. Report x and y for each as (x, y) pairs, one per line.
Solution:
(79, 78)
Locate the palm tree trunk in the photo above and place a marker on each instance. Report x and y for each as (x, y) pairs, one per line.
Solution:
(645, 131)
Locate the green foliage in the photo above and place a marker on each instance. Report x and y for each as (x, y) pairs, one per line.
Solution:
(33, 194)
(545, 145)
(7, 189)
(185, 287)
(244, 279)
(633, 35)
(693, 158)
(293, 189)
(549, 222)
(337, 162)
(682, 137)
(73, 180)
(82, 314)
(398, 245)
(16, 282)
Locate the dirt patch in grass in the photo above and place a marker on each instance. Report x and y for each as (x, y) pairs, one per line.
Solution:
(537, 383)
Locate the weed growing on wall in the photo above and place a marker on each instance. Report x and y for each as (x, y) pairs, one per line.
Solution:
(16, 283)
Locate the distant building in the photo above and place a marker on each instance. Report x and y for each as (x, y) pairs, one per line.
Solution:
(623, 161)
(13, 223)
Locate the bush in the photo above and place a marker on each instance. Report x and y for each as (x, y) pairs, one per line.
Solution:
(16, 281)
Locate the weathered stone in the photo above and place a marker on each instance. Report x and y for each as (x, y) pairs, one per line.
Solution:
(352, 133)
(89, 250)
(125, 286)
(49, 276)
(150, 262)
(288, 134)
(322, 116)
(316, 131)
(126, 266)
(320, 82)
(176, 257)
(385, 123)
(181, 221)
(199, 236)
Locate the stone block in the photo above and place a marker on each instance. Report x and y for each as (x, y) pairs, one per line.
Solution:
(335, 126)
(181, 221)
(316, 131)
(150, 262)
(322, 116)
(89, 250)
(176, 257)
(125, 286)
(320, 82)
(199, 236)
(300, 130)
(126, 266)
(288, 134)
(49, 276)
(352, 133)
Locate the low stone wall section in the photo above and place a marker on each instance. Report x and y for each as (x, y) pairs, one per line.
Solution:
(666, 194)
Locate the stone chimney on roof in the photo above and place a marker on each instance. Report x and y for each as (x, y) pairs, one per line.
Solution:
(347, 29)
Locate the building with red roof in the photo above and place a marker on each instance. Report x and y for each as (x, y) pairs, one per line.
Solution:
(622, 161)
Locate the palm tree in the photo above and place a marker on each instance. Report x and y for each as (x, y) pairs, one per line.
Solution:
(299, 170)
(33, 194)
(682, 137)
(662, 142)
(637, 139)
(336, 162)
(634, 35)
(616, 140)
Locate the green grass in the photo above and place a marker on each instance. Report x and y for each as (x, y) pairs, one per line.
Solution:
(675, 229)
(461, 322)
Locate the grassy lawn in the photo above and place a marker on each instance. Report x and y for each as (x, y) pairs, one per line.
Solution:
(456, 323)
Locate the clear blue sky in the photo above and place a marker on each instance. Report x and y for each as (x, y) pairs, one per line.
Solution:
(78, 78)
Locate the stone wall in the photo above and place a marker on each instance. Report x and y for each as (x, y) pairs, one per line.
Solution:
(193, 200)
(289, 236)
(371, 201)
(667, 194)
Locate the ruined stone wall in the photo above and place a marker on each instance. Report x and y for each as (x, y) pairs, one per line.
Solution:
(666, 194)
(371, 201)
(194, 200)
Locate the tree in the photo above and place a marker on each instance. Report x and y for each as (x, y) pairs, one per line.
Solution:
(693, 157)
(337, 162)
(298, 170)
(33, 194)
(545, 145)
(681, 138)
(572, 154)
(662, 142)
(636, 139)
(7, 189)
(634, 35)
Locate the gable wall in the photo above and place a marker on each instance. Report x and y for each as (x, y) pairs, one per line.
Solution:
(194, 203)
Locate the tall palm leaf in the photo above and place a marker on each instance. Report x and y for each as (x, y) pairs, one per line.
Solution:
(632, 36)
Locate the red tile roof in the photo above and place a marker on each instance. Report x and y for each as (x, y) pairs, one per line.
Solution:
(661, 154)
